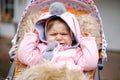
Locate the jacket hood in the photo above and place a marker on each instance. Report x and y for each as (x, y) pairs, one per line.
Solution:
(67, 17)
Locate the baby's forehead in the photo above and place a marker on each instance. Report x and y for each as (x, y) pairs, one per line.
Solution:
(55, 19)
(56, 22)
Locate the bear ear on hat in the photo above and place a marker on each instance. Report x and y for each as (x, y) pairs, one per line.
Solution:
(57, 8)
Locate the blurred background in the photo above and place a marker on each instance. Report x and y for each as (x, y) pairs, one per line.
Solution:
(10, 13)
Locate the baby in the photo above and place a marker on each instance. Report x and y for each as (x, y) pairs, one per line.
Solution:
(76, 50)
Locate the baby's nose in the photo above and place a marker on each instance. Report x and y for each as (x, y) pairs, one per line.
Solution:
(58, 37)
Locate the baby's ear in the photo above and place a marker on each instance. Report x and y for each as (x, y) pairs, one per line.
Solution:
(35, 31)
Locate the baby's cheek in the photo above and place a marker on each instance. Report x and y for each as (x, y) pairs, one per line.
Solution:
(69, 41)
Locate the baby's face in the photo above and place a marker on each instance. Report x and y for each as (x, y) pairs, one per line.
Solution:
(59, 32)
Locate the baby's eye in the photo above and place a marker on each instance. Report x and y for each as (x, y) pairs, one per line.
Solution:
(64, 34)
(54, 34)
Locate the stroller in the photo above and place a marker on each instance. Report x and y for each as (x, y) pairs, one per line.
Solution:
(31, 14)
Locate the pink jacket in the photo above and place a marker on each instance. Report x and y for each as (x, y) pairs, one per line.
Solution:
(84, 57)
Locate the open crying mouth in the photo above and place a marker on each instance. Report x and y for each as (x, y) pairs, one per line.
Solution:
(60, 43)
(63, 44)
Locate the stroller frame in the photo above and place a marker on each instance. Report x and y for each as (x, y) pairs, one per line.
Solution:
(81, 7)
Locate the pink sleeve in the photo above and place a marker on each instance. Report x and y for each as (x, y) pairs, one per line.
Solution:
(89, 58)
(28, 51)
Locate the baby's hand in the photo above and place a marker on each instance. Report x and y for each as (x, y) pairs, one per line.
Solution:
(35, 31)
(85, 34)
